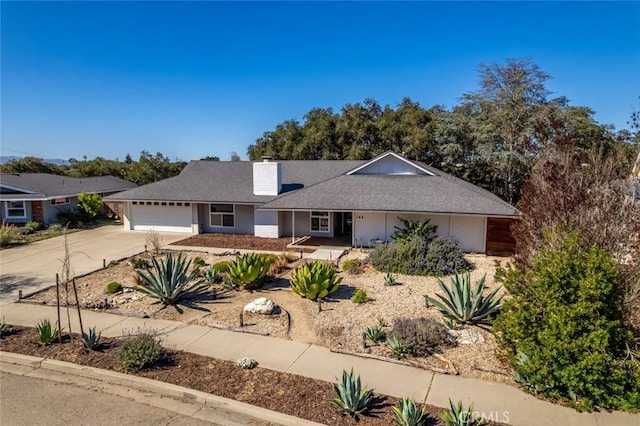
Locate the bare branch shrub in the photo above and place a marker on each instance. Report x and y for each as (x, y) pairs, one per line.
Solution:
(154, 241)
(591, 192)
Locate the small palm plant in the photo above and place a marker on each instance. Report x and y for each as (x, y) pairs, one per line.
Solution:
(407, 413)
(47, 332)
(91, 340)
(352, 398)
(249, 270)
(169, 280)
(457, 415)
(462, 305)
(315, 280)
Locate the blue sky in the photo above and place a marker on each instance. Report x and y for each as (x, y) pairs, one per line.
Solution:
(208, 78)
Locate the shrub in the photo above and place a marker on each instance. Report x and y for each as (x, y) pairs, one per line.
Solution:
(154, 241)
(47, 332)
(353, 266)
(279, 264)
(249, 270)
(417, 256)
(414, 228)
(562, 329)
(459, 304)
(199, 262)
(360, 296)
(140, 352)
(315, 280)
(55, 228)
(407, 413)
(31, 227)
(351, 398)
(170, 280)
(247, 363)
(91, 340)
(457, 415)
(89, 205)
(69, 218)
(114, 287)
(419, 336)
(139, 263)
(9, 234)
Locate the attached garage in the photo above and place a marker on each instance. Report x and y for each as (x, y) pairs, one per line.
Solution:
(160, 216)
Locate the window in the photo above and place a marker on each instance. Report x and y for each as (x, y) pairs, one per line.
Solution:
(15, 209)
(59, 201)
(222, 215)
(320, 221)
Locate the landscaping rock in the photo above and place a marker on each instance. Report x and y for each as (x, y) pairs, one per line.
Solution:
(262, 305)
(465, 336)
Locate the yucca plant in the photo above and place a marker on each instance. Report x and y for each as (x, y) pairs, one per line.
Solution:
(407, 413)
(249, 270)
(375, 333)
(352, 398)
(390, 279)
(462, 305)
(315, 280)
(397, 347)
(211, 276)
(457, 415)
(47, 332)
(91, 340)
(169, 280)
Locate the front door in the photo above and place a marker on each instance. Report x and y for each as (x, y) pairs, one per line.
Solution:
(344, 223)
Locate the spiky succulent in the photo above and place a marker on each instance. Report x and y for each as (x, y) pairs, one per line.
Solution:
(407, 413)
(315, 280)
(47, 332)
(249, 270)
(375, 333)
(351, 397)
(461, 305)
(169, 280)
(457, 415)
(390, 279)
(397, 347)
(91, 340)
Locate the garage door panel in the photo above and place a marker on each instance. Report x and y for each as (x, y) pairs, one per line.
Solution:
(161, 218)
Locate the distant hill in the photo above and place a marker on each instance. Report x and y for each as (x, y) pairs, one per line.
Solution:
(57, 161)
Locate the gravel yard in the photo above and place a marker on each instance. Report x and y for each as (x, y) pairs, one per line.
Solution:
(339, 326)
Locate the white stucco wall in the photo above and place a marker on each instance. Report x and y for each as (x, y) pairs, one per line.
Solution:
(468, 231)
(266, 224)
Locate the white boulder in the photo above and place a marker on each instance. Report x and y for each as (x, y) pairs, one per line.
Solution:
(261, 305)
(465, 336)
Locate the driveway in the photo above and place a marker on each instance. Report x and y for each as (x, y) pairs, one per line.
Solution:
(33, 267)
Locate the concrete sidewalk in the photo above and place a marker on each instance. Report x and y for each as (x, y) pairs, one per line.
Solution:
(493, 400)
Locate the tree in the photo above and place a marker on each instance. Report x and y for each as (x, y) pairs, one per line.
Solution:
(210, 158)
(511, 103)
(233, 156)
(31, 165)
(89, 205)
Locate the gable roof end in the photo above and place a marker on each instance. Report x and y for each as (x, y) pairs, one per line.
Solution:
(390, 154)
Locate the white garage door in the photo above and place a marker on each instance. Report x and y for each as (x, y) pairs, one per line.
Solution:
(161, 218)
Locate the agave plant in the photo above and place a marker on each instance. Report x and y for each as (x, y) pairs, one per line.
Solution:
(352, 399)
(461, 305)
(249, 270)
(390, 279)
(91, 340)
(397, 347)
(169, 281)
(211, 276)
(315, 280)
(407, 413)
(457, 415)
(3, 327)
(47, 332)
(375, 333)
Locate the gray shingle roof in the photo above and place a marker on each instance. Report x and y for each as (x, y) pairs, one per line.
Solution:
(232, 181)
(44, 185)
(324, 185)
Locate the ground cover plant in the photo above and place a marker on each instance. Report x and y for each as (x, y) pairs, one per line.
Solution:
(419, 336)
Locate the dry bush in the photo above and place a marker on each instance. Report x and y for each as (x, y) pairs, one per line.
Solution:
(154, 241)
(591, 192)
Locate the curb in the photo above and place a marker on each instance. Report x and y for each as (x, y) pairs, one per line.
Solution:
(158, 387)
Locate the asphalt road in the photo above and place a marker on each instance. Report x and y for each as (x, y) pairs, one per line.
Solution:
(30, 401)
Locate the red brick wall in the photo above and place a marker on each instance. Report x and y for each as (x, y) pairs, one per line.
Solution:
(37, 211)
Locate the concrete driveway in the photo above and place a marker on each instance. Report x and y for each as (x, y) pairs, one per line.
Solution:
(32, 267)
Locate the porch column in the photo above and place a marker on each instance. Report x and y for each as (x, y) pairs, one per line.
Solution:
(293, 226)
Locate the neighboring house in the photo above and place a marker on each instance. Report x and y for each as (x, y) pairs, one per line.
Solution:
(41, 196)
(358, 201)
